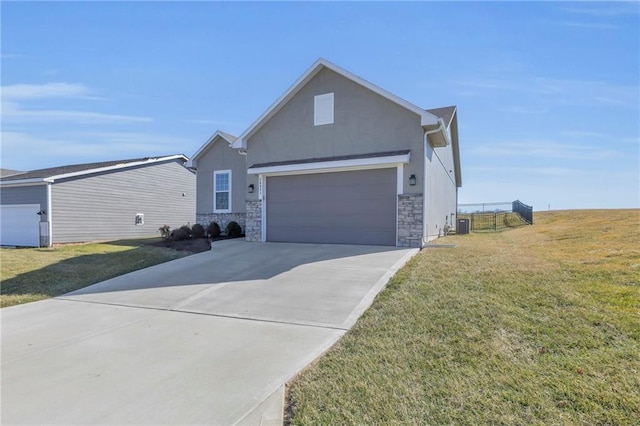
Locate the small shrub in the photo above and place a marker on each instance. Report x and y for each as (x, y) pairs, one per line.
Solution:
(197, 231)
(233, 229)
(182, 233)
(213, 230)
(165, 231)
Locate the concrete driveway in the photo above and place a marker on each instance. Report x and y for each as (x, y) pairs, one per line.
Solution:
(207, 339)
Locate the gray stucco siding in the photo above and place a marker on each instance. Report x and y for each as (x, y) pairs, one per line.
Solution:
(218, 157)
(104, 206)
(364, 122)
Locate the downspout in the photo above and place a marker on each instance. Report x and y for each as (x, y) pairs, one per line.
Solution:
(49, 215)
(425, 227)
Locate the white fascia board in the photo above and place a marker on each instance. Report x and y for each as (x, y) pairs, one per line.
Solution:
(24, 182)
(426, 118)
(241, 142)
(332, 166)
(116, 167)
(194, 157)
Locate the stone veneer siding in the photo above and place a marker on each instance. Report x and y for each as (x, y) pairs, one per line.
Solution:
(253, 232)
(221, 219)
(410, 220)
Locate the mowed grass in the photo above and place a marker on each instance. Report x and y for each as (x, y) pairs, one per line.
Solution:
(533, 326)
(30, 274)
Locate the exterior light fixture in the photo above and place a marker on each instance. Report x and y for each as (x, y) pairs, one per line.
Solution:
(412, 180)
(251, 188)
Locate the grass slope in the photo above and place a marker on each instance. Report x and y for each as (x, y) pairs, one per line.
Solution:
(32, 274)
(537, 325)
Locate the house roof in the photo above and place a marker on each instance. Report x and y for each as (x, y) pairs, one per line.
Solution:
(8, 172)
(53, 173)
(219, 134)
(426, 118)
(446, 113)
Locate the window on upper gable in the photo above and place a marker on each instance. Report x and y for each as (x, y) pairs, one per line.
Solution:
(222, 191)
(323, 109)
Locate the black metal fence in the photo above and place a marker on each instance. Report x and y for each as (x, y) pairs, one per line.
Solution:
(496, 216)
(524, 210)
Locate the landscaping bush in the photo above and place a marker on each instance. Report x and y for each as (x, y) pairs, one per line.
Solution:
(165, 231)
(182, 233)
(213, 230)
(197, 231)
(233, 229)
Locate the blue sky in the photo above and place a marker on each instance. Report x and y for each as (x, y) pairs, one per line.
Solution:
(548, 93)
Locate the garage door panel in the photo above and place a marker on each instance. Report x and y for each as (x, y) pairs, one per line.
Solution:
(339, 236)
(20, 225)
(315, 207)
(356, 207)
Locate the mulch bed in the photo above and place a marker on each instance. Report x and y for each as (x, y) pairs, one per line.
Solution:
(196, 245)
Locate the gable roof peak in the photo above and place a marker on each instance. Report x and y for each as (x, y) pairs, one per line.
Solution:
(426, 118)
(218, 134)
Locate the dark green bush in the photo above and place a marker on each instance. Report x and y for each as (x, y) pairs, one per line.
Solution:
(165, 231)
(182, 233)
(213, 230)
(197, 231)
(233, 229)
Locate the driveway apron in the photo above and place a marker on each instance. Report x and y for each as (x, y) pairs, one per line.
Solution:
(204, 339)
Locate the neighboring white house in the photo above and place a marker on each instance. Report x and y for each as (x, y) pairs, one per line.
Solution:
(96, 201)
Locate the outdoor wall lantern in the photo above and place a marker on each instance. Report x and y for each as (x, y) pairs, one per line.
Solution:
(251, 188)
(412, 180)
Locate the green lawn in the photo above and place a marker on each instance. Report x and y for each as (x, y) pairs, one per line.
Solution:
(30, 274)
(532, 326)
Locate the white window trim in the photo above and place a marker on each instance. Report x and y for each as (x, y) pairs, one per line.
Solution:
(322, 112)
(216, 173)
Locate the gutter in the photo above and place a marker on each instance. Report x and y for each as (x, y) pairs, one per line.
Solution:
(425, 227)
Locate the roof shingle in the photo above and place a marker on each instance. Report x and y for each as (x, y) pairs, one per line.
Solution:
(73, 168)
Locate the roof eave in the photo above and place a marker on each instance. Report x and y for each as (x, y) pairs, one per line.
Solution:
(25, 182)
(117, 167)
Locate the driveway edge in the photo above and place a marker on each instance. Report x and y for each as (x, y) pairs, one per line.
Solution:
(270, 411)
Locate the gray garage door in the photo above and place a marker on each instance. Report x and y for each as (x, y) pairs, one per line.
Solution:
(356, 207)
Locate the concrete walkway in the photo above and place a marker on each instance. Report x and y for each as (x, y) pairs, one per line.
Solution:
(207, 339)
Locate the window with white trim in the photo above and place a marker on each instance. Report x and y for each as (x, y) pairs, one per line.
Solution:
(222, 191)
(323, 109)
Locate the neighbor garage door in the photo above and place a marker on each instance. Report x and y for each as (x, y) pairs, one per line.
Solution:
(20, 225)
(356, 207)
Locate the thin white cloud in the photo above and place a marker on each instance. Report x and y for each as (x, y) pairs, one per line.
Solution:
(589, 25)
(69, 148)
(543, 149)
(10, 55)
(552, 91)
(17, 92)
(611, 9)
(583, 134)
(16, 99)
(12, 113)
(520, 109)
